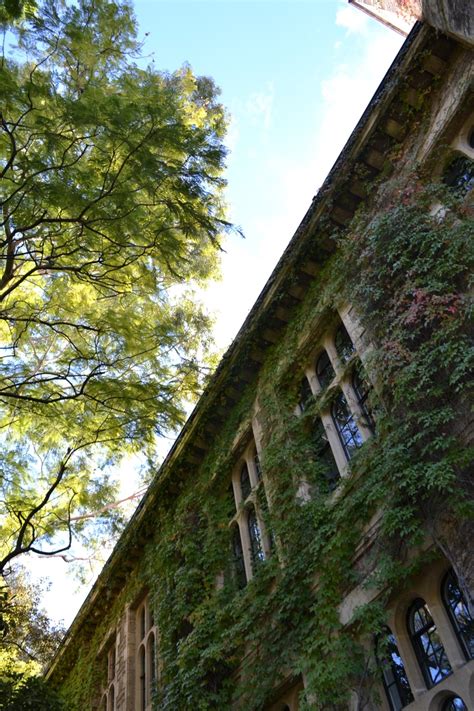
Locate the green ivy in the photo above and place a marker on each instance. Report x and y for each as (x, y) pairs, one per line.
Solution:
(407, 274)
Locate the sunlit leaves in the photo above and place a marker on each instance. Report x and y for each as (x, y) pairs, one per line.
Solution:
(111, 212)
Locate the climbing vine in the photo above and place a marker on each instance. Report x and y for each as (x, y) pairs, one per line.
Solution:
(405, 267)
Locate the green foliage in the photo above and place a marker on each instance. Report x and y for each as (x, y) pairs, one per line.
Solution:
(111, 214)
(407, 273)
(26, 693)
(29, 640)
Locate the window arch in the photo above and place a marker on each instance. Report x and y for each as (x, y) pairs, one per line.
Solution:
(343, 343)
(454, 703)
(145, 655)
(346, 426)
(459, 174)
(238, 558)
(427, 644)
(459, 614)
(255, 536)
(324, 370)
(324, 454)
(245, 484)
(394, 677)
(108, 680)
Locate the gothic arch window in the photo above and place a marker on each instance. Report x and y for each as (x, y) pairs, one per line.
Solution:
(344, 421)
(427, 644)
(324, 455)
(344, 346)
(250, 541)
(145, 655)
(459, 174)
(238, 558)
(255, 537)
(394, 677)
(324, 370)
(454, 703)
(459, 614)
(245, 484)
(108, 685)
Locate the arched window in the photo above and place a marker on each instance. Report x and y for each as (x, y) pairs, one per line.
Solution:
(145, 659)
(324, 454)
(256, 548)
(458, 612)
(343, 343)
(426, 642)
(324, 370)
(142, 677)
(362, 388)
(238, 558)
(346, 426)
(245, 485)
(454, 703)
(306, 394)
(459, 174)
(151, 660)
(395, 680)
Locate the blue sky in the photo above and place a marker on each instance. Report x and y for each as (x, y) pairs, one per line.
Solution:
(295, 77)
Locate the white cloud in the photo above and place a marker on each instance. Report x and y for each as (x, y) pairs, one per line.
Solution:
(259, 106)
(352, 19)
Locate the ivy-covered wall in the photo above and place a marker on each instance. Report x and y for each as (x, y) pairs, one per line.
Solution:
(404, 266)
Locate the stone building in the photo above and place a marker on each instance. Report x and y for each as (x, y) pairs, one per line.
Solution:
(306, 543)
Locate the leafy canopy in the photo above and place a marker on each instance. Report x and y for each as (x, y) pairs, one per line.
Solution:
(111, 211)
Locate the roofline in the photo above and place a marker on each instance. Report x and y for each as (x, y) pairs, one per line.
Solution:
(352, 149)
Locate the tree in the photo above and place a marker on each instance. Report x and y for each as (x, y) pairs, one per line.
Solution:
(28, 643)
(111, 211)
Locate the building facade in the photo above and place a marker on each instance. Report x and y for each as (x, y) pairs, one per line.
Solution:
(307, 542)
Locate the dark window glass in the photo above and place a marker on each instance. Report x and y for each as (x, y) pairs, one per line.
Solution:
(142, 687)
(238, 559)
(152, 657)
(306, 394)
(459, 175)
(459, 614)
(324, 454)
(346, 426)
(470, 138)
(245, 485)
(428, 647)
(256, 547)
(142, 622)
(362, 388)
(324, 370)
(343, 343)
(454, 703)
(258, 468)
(394, 676)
